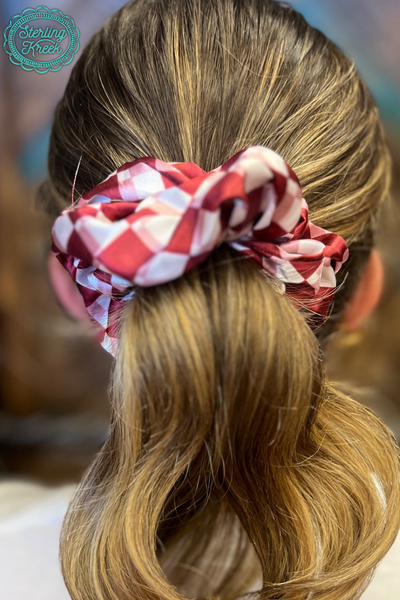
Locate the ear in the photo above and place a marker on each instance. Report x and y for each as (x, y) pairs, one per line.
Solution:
(65, 290)
(366, 295)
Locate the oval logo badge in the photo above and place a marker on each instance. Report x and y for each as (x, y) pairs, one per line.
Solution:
(41, 39)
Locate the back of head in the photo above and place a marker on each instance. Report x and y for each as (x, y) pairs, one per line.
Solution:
(230, 453)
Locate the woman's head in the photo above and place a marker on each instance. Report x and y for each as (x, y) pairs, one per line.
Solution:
(178, 82)
(226, 437)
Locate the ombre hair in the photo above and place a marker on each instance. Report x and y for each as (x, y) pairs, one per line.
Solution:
(230, 456)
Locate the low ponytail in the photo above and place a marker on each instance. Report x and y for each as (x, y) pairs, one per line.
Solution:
(229, 454)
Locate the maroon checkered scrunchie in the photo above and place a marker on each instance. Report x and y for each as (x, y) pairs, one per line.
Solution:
(150, 221)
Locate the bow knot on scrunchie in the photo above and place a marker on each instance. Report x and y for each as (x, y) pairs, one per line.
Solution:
(150, 221)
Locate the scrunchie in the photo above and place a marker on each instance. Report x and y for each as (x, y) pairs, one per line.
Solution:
(150, 221)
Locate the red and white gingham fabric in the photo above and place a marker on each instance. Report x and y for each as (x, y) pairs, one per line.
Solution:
(150, 221)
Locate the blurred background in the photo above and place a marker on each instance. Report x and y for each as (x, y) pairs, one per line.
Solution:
(53, 376)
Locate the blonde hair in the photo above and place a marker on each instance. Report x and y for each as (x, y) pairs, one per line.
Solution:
(230, 453)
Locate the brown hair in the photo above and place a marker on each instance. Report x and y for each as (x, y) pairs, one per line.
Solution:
(230, 453)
